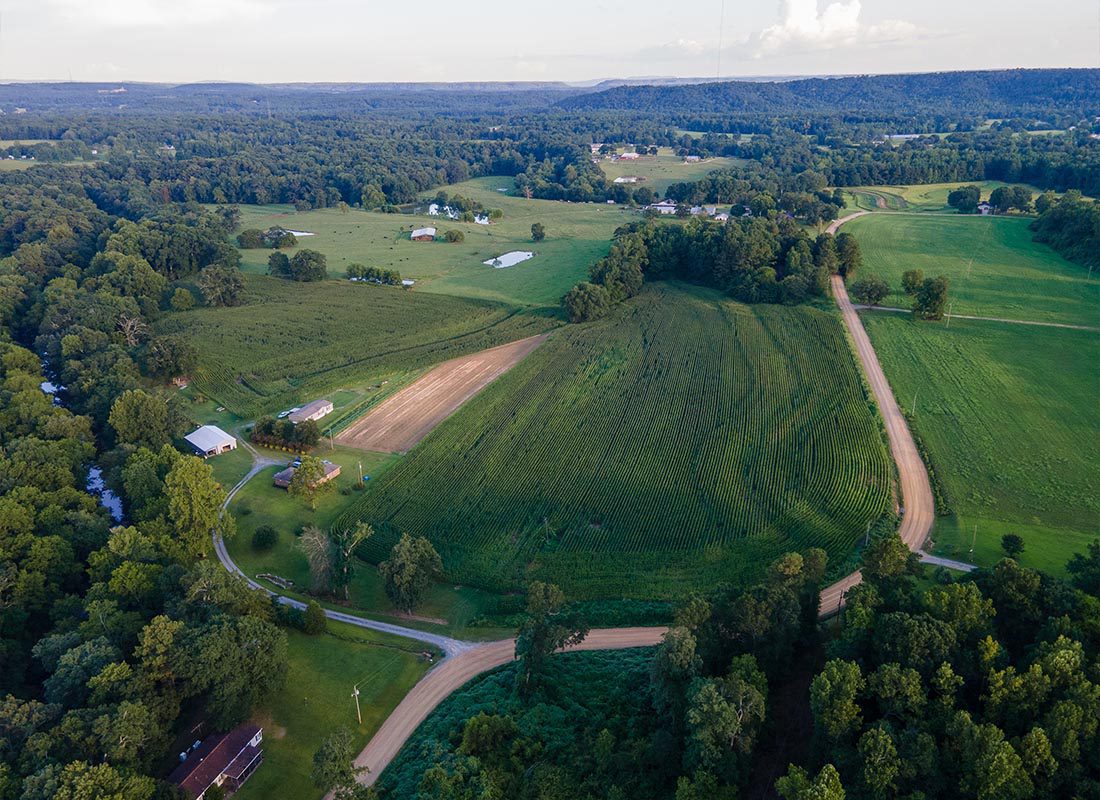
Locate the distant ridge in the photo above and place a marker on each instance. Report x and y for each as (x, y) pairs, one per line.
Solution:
(977, 92)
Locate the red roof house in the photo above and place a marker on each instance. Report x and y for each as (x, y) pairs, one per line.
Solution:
(223, 759)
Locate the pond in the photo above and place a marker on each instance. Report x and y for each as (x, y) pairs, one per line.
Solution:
(509, 259)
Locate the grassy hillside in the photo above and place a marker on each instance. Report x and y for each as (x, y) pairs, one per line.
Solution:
(1008, 414)
(921, 197)
(683, 441)
(576, 235)
(294, 340)
(995, 268)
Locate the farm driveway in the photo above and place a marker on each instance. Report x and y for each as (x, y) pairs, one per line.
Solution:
(410, 415)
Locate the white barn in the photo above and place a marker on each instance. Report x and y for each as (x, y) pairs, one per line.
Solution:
(210, 440)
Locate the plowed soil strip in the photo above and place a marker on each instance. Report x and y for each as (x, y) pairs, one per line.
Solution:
(411, 414)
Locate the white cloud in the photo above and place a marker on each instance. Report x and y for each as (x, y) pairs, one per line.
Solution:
(804, 25)
(678, 49)
(157, 13)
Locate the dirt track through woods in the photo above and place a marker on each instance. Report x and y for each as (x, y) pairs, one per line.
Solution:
(400, 422)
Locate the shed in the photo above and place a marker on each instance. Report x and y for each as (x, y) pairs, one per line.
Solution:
(282, 479)
(210, 440)
(314, 411)
(223, 759)
(423, 235)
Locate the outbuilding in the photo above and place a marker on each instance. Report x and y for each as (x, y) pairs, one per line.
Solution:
(664, 207)
(223, 759)
(282, 479)
(423, 235)
(210, 440)
(315, 411)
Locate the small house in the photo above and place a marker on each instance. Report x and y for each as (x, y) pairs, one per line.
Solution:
(629, 157)
(210, 440)
(723, 217)
(282, 479)
(423, 235)
(224, 759)
(985, 209)
(408, 282)
(314, 411)
(629, 179)
(692, 159)
(710, 211)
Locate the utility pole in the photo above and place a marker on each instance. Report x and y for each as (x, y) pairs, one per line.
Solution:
(355, 694)
(360, 473)
(974, 539)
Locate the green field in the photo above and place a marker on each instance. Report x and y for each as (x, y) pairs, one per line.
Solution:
(920, 197)
(576, 235)
(1009, 416)
(665, 169)
(317, 700)
(996, 270)
(682, 441)
(293, 341)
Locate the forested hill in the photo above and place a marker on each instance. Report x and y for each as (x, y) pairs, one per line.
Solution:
(989, 92)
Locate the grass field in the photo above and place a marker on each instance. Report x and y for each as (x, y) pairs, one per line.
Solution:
(317, 700)
(921, 197)
(576, 235)
(1009, 416)
(996, 270)
(682, 441)
(665, 169)
(293, 341)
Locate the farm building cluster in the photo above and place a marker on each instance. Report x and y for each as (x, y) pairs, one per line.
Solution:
(667, 207)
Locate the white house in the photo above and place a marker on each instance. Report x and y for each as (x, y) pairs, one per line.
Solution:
(314, 411)
(664, 207)
(692, 159)
(210, 440)
(985, 209)
(721, 217)
(629, 157)
(423, 235)
(710, 211)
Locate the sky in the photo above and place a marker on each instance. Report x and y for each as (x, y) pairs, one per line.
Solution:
(506, 40)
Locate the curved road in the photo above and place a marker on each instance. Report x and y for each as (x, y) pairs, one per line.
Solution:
(466, 660)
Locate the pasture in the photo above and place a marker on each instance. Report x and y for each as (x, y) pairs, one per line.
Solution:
(576, 235)
(1009, 419)
(317, 700)
(665, 169)
(292, 341)
(996, 270)
(682, 441)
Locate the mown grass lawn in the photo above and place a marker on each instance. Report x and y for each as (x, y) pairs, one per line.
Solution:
(665, 169)
(316, 701)
(261, 503)
(919, 197)
(1010, 418)
(576, 235)
(995, 268)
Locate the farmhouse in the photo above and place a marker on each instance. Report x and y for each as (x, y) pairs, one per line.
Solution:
(423, 235)
(314, 411)
(692, 159)
(985, 209)
(210, 440)
(224, 759)
(663, 207)
(629, 157)
(283, 479)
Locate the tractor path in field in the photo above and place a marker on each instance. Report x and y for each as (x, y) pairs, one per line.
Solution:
(1070, 326)
(918, 508)
(400, 422)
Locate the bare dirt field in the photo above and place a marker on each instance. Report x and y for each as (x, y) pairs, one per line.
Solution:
(404, 419)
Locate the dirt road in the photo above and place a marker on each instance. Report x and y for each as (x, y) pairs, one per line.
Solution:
(407, 417)
(918, 506)
(454, 672)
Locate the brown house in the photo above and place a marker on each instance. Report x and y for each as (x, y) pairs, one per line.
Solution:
(423, 235)
(223, 759)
